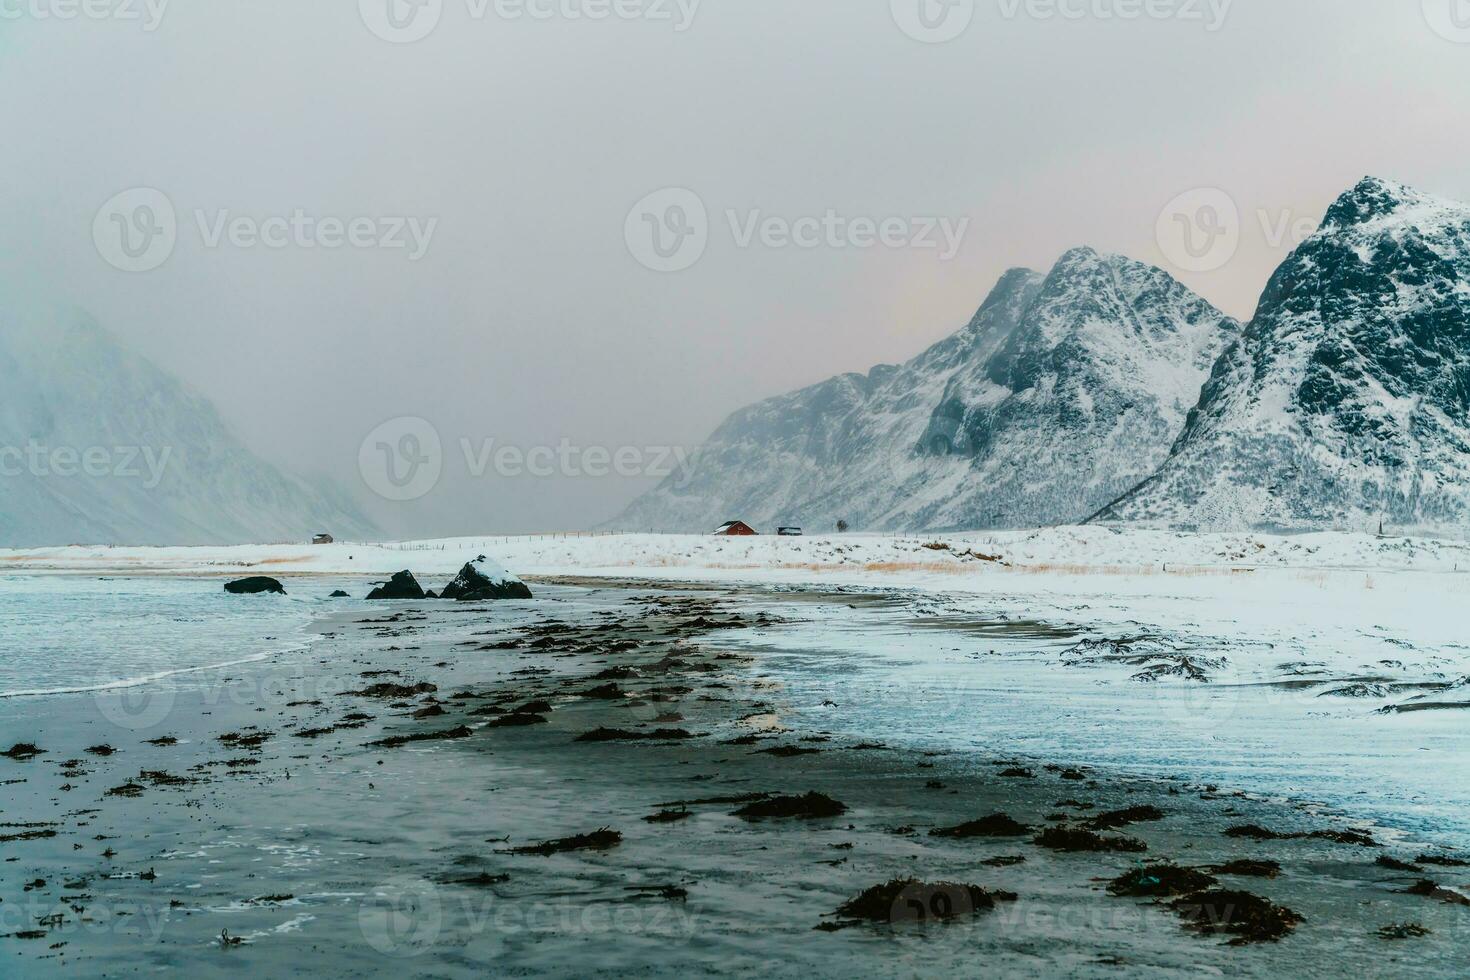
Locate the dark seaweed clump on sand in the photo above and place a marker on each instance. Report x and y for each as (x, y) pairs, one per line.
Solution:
(601, 840)
(393, 692)
(518, 720)
(995, 825)
(399, 741)
(1353, 837)
(1079, 841)
(1247, 868)
(1248, 918)
(622, 735)
(911, 900)
(27, 835)
(1122, 818)
(1160, 881)
(1442, 861)
(812, 806)
(1432, 889)
(22, 751)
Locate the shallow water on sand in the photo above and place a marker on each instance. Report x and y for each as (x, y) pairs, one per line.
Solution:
(62, 633)
(331, 855)
(972, 682)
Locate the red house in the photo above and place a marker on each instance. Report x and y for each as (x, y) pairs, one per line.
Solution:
(735, 529)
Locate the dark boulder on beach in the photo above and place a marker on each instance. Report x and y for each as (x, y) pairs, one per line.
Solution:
(481, 580)
(255, 586)
(401, 586)
(339, 594)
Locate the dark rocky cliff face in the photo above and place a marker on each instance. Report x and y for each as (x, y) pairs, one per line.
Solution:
(1346, 401)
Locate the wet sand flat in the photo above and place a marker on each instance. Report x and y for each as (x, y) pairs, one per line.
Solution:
(576, 786)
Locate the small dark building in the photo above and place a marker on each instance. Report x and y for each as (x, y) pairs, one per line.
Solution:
(789, 532)
(322, 539)
(735, 529)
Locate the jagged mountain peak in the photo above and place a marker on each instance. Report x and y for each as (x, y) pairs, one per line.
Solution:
(1375, 205)
(1064, 389)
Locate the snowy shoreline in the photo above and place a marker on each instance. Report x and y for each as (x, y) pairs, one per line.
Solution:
(1066, 550)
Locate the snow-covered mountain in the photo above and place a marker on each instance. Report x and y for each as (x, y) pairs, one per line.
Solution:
(1061, 393)
(1347, 401)
(99, 446)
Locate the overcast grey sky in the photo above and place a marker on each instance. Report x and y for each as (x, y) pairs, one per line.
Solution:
(518, 139)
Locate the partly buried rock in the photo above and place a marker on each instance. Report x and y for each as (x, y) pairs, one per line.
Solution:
(255, 586)
(339, 594)
(401, 586)
(482, 579)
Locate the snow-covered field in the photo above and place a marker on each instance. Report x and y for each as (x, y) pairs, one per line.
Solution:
(1048, 551)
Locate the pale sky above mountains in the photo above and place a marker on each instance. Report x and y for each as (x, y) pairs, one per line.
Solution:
(507, 153)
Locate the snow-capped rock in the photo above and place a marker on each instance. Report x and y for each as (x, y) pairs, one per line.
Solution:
(99, 446)
(482, 579)
(1346, 402)
(1062, 392)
